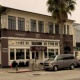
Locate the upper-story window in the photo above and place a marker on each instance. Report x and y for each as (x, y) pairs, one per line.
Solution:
(33, 25)
(40, 26)
(67, 29)
(56, 28)
(50, 27)
(21, 23)
(11, 22)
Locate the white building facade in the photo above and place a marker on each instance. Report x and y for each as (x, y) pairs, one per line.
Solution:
(26, 35)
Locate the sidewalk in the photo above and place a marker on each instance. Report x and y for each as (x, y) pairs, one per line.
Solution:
(18, 70)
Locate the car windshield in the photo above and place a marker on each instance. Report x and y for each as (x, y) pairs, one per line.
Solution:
(53, 57)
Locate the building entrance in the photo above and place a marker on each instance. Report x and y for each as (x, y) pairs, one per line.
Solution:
(38, 54)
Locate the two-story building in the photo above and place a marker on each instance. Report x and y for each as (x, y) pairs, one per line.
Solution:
(25, 35)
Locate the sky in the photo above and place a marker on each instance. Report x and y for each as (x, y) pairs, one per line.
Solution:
(38, 6)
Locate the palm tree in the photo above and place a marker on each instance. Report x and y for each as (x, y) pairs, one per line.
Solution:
(59, 10)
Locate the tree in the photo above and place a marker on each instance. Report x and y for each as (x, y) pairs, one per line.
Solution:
(59, 10)
(3, 10)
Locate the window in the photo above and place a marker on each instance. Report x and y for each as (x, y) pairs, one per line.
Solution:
(67, 29)
(50, 27)
(19, 53)
(71, 57)
(45, 54)
(51, 43)
(56, 51)
(11, 54)
(65, 58)
(27, 54)
(33, 56)
(40, 26)
(45, 43)
(21, 23)
(36, 43)
(12, 22)
(51, 52)
(33, 25)
(37, 55)
(56, 43)
(56, 28)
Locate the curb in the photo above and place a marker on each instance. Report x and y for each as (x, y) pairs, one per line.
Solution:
(21, 71)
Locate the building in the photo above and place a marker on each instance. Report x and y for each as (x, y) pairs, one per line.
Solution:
(26, 35)
(77, 37)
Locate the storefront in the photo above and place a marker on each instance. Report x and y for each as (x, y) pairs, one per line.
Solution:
(23, 50)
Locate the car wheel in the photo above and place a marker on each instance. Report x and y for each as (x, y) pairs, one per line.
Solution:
(72, 67)
(55, 68)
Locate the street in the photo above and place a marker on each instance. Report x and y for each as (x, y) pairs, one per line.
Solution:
(5, 74)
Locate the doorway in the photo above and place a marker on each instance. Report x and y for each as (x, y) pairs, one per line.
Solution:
(38, 54)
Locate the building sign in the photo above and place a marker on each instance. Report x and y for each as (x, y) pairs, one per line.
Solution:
(5, 49)
(38, 48)
(21, 35)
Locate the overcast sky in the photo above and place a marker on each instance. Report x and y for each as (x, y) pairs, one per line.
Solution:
(38, 6)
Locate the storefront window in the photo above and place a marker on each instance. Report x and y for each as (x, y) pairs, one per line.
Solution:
(51, 52)
(37, 55)
(45, 54)
(33, 56)
(19, 53)
(36, 43)
(56, 51)
(11, 54)
(45, 43)
(56, 43)
(27, 54)
(51, 43)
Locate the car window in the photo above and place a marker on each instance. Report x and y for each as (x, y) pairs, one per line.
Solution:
(71, 57)
(59, 58)
(65, 58)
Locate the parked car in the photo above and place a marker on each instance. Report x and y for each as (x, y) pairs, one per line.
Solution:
(78, 63)
(60, 61)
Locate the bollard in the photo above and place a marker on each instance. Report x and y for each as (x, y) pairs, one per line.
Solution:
(16, 67)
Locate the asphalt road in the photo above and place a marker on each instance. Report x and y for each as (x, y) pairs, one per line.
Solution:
(6, 74)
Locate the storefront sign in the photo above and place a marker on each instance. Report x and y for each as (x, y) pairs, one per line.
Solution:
(38, 48)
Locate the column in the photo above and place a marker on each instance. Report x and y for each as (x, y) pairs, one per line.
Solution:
(15, 54)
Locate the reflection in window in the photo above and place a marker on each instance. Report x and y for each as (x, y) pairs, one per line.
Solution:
(11, 54)
(19, 53)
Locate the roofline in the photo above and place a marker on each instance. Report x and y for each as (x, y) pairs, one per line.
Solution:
(32, 12)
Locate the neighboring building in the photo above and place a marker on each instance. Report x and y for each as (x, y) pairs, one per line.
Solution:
(26, 35)
(77, 37)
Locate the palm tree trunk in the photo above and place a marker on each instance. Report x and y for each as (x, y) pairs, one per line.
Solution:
(61, 38)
